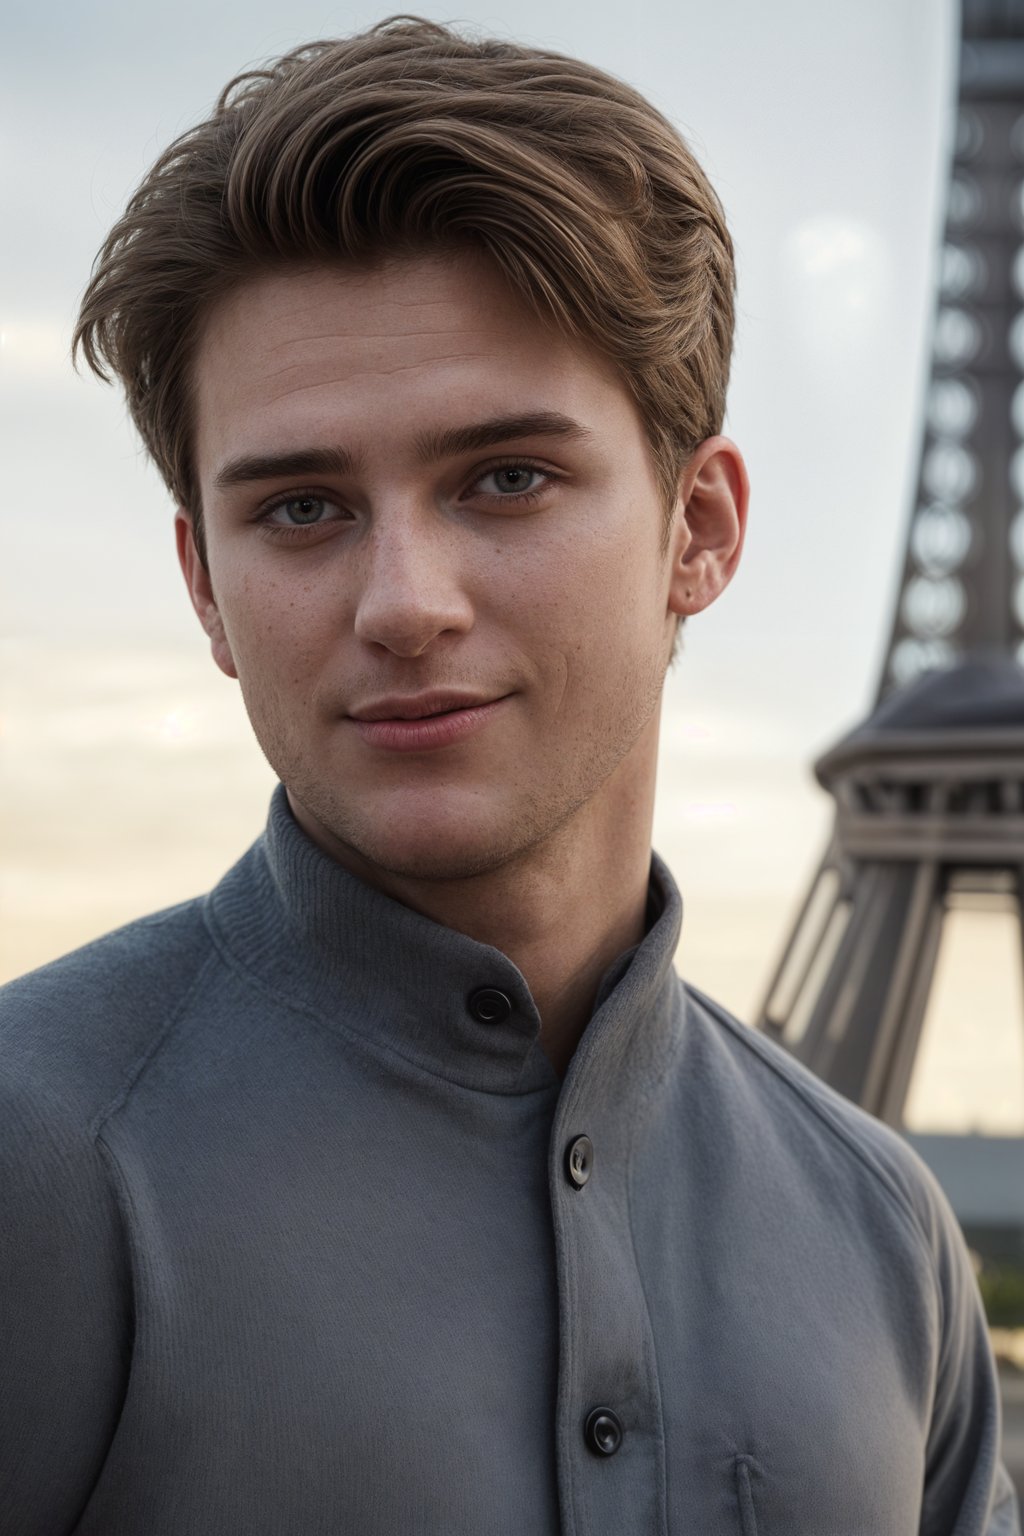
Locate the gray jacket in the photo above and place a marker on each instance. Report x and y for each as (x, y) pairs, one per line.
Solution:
(299, 1237)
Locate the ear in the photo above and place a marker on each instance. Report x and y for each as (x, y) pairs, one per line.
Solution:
(709, 526)
(200, 590)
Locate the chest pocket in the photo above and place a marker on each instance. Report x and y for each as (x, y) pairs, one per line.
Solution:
(745, 1473)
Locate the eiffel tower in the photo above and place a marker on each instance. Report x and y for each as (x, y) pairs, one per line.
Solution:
(929, 789)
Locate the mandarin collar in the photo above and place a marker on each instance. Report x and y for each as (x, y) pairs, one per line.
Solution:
(324, 941)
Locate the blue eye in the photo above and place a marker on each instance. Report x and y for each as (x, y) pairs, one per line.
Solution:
(511, 480)
(300, 511)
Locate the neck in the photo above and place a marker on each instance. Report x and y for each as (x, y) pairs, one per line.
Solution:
(562, 912)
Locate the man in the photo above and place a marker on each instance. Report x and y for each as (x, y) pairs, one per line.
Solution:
(399, 1186)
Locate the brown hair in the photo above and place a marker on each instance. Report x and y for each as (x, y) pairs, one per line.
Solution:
(410, 136)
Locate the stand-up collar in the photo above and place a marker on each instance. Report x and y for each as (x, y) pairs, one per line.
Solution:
(324, 940)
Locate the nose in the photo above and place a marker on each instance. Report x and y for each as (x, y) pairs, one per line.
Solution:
(411, 591)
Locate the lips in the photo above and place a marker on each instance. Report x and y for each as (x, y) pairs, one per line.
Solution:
(438, 701)
(425, 723)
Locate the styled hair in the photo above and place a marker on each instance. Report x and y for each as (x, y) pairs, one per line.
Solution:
(410, 137)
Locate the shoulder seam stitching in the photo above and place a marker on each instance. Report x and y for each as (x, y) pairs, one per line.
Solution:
(139, 1066)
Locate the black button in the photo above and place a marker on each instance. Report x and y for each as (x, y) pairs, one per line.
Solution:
(579, 1159)
(489, 1006)
(602, 1431)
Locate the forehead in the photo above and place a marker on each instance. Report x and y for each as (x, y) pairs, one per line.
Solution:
(402, 345)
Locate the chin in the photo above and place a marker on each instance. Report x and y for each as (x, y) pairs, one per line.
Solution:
(432, 863)
(433, 839)
(432, 854)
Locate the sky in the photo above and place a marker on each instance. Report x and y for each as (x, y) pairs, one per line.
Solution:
(129, 776)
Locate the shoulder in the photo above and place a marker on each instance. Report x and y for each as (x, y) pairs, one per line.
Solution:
(807, 1113)
(71, 1034)
(71, 1031)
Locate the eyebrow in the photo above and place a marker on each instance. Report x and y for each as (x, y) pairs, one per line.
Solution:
(430, 447)
(274, 466)
(445, 444)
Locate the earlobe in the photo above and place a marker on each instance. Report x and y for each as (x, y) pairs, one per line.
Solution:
(200, 590)
(714, 493)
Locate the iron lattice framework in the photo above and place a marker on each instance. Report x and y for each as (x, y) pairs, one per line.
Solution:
(929, 790)
(962, 587)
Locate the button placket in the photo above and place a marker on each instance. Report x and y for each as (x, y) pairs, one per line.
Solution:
(607, 1359)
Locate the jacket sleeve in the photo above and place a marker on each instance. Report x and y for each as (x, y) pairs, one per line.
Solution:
(967, 1489)
(65, 1314)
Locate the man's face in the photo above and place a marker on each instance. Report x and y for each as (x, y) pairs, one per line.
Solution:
(469, 517)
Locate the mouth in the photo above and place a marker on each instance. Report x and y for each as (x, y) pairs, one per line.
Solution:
(424, 724)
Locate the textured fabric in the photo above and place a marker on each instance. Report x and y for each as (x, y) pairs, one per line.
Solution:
(289, 1248)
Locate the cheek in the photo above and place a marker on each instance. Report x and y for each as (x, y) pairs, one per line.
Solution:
(273, 629)
(592, 617)
(612, 590)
